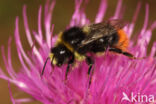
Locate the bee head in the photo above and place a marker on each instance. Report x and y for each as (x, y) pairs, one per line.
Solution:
(60, 55)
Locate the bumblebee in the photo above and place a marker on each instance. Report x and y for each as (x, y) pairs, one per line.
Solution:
(76, 42)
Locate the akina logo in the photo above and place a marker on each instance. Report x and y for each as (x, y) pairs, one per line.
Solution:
(140, 98)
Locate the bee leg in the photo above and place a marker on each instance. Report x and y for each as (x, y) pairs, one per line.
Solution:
(117, 50)
(90, 62)
(71, 61)
(67, 71)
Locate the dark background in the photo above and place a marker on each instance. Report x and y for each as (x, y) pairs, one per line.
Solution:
(9, 9)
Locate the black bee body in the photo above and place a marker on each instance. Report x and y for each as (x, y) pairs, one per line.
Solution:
(92, 43)
(75, 42)
(67, 45)
(100, 45)
(74, 37)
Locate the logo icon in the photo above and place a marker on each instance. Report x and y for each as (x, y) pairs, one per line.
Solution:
(125, 97)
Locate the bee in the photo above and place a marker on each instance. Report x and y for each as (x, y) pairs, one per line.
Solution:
(76, 42)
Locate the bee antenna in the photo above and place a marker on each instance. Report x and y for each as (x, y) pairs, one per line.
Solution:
(44, 66)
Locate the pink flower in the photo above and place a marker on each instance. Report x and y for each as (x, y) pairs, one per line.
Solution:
(115, 77)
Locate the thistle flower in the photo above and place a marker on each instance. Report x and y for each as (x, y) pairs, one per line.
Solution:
(115, 77)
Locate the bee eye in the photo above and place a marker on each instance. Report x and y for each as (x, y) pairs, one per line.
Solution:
(62, 51)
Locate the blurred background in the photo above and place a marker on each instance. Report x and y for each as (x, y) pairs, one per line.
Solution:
(9, 9)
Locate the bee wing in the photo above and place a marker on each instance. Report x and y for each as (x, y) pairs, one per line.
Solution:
(103, 29)
(91, 38)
